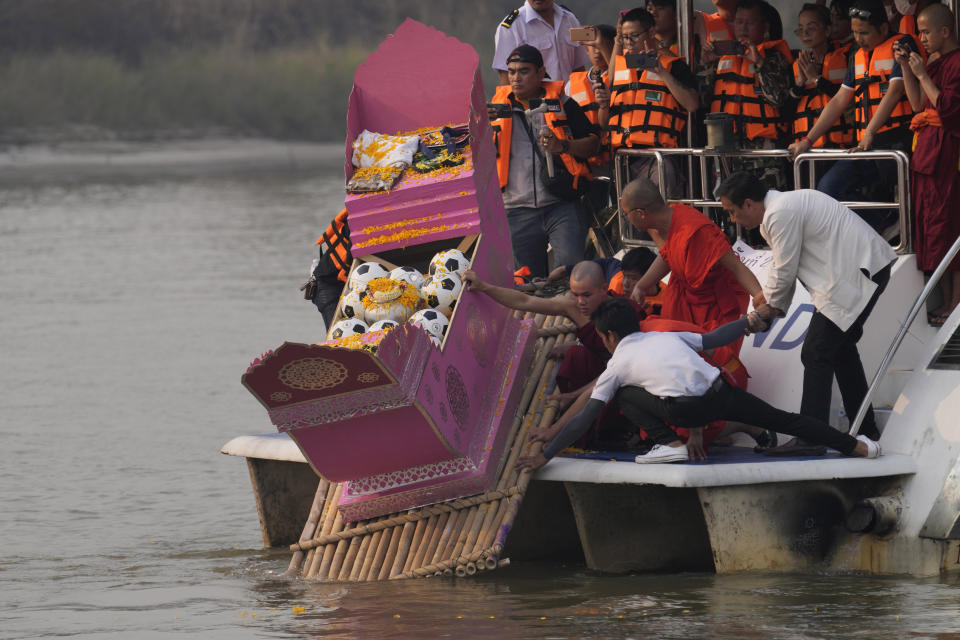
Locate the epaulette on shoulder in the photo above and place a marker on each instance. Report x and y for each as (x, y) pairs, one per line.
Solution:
(509, 20)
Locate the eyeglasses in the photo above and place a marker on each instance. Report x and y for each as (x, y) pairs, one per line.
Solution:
(812, 29)
(633, 37)
(860, 14)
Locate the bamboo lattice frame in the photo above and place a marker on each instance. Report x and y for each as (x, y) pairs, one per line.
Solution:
(458, 537)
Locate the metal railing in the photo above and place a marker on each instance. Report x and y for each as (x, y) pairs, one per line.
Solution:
(902, 203)
(918, 305)
(703, 197)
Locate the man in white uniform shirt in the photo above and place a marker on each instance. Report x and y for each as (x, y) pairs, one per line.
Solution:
(658, 378)
(843, 263)
(545, 25)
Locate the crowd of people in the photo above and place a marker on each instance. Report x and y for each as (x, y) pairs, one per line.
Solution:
(669, 383)
(867, 77)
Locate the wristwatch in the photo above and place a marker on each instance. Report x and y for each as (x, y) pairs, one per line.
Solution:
(564, 146)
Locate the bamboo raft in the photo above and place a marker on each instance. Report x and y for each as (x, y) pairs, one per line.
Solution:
(457, 537)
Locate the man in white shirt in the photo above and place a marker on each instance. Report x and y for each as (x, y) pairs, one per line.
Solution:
(843, 263)
(546, 26)
(658, 378)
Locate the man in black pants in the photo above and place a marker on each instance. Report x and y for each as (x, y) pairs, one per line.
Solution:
(658, 378)
(843, 263)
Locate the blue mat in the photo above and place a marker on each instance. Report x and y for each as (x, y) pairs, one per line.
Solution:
(716, 455)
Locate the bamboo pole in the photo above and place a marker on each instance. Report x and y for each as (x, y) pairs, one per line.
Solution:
(329, 550)
(431, 547)
(391, 554)
(360, 559)
(353, 547)
(371, 553)
(403, 548)
(328, 522)
(385, 540)
(425, 512)
(339, 555)
(319, 499)
(418, 536)
(447, 550)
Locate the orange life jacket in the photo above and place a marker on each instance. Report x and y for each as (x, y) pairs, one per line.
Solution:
(908, 26)
(581, 90)
(336, 241)
(555, 120)
(872, 77)
(716, 27)
(812, 101)
(643, 112)
(737, 92)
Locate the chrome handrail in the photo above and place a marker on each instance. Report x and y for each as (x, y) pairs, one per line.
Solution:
(903, 184)
(918, 304)
(621, 174)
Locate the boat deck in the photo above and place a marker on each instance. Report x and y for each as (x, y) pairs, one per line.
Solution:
(727, 466)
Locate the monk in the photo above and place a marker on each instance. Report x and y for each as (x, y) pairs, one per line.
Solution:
(708, 285)
(588, 288)
(934, 92)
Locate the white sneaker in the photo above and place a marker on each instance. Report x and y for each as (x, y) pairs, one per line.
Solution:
(663, 453)
(873, 448)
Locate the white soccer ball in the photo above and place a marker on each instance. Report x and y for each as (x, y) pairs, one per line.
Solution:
(365, 273)
(432, 320)
(352, 304)
(441, 292)
(349, 327)
(449, 261)
(408, 275)
(380, 325)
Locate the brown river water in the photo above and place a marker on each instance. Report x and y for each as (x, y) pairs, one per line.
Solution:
(132, 298)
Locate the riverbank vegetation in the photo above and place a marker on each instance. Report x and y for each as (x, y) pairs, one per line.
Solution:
(148, 69)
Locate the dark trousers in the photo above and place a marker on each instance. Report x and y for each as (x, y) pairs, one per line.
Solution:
(722, 402)
(827, 352)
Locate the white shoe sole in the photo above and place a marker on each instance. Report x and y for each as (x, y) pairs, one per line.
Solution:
(677, 457)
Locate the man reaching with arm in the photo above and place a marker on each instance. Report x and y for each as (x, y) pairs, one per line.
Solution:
(658, 377)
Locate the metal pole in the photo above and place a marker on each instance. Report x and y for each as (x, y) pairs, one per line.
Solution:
(892, 349)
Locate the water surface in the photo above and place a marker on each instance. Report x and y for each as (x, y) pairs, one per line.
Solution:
(129, 308)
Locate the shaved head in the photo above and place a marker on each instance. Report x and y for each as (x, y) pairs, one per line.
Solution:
(937, 16)
(588, 273)
(641, 193)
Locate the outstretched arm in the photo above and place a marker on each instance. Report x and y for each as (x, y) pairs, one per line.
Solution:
(725, 334)
(514, 299)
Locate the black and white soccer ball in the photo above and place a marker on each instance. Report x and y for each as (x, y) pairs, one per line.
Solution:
(352, 304)
(449, 261)
(408, 275)
(365, 273)
(442, 291)
(380, 325)
(348, 327)
(432, 320)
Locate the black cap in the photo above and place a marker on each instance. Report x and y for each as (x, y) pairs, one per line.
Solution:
(526, 53)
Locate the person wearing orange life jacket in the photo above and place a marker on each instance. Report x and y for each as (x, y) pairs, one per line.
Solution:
(754, 85)
(818, 72)
(331, 268)
(535, 215)
(649, 106)
(874, 83)
(584, 85)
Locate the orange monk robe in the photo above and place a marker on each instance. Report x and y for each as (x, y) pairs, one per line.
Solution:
(700, 290)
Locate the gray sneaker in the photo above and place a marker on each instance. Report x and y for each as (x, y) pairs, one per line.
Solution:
(663, 453)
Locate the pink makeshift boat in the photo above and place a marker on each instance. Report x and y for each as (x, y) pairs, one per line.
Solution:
(415, 423)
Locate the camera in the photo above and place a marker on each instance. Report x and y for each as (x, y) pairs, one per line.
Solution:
(907, 44)
(502, 110)
(642, 60)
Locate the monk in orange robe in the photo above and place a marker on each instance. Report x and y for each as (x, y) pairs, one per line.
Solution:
(708, 285)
